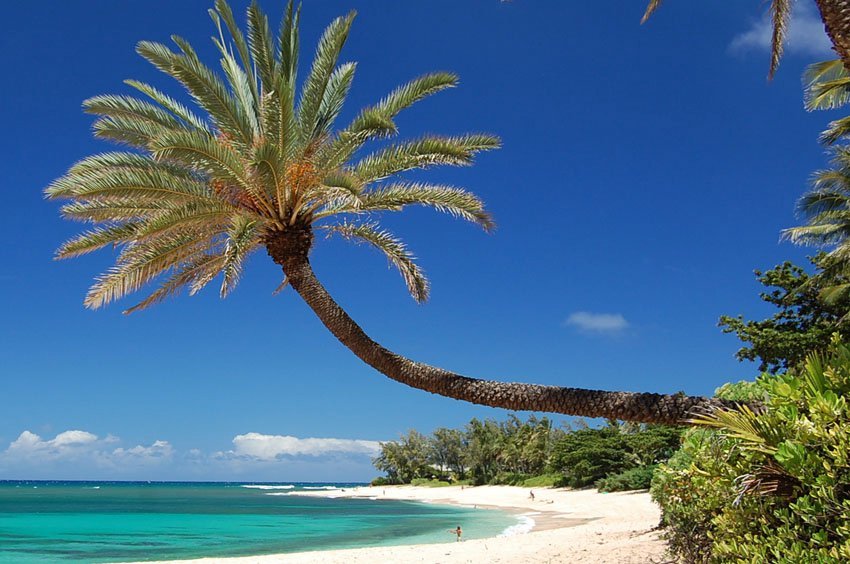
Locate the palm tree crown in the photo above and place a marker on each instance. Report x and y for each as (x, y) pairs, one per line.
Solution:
(202, 191)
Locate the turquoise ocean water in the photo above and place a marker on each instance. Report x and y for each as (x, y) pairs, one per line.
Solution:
(121, 521)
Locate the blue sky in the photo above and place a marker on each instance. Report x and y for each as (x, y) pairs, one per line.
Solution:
(646, 171)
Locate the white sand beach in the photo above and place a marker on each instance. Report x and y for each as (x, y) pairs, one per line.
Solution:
(569, 526)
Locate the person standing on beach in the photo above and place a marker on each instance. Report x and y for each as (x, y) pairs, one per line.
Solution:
(457, 532)
(531, 495)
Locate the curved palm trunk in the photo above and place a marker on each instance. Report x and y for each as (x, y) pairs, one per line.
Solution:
(291, 250)
(835, 15)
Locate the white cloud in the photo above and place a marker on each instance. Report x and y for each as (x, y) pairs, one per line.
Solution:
(63, 445)
(76, 445)
(597, 322)
(805, 34)
(158, 450)
(271, 447)
(81, 455)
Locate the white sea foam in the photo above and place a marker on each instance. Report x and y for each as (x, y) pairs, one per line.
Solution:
(320, 488)
(265, 487)
(525, 525)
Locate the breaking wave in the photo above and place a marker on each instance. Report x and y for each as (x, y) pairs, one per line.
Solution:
(265, 487)
(525, 525)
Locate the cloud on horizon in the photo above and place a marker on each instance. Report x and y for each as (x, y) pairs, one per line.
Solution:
(78, 454)
(806, 35)
(589, 322)
(31, 450)
(271, 447)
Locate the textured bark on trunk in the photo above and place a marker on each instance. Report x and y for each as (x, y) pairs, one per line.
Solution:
(290, 250)
(835, 15)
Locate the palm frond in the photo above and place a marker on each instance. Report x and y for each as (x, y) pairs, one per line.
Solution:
(170, 104)
(650, 9)
(197, 272)
(339, 84)
(408, 94)
(835, 131)
(261, 44)
(242, 84)
(825, 199)
(148, 261)
(243, 237)
(203, 85)
(324, 63)
(144, 183)
(199, 217)
(289, 42)
(97, 238)
(742, 424)
(422, 153)
(113, 209)
(816, 234)
(826, 85)
(780, 15)
(769, 479)
(223, 12)
(377, 121)
(394, 197)
(137, 133)
(395, 250)
(129, 107)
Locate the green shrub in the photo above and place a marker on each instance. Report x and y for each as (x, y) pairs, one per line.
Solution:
(542, 481)
(383, 481)
(430, 483)
(587, 455)
(634, 479)
(772, 487)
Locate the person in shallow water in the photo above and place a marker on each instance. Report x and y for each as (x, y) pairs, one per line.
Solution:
(457, 532)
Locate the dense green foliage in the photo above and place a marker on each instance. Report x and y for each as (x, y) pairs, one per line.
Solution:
(638, 478)
(587, 456)
(531, 453)
(507, 452)
(772, 487)
(804, 321)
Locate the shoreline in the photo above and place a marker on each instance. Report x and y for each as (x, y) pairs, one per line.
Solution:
(568, 526)
(538, 512)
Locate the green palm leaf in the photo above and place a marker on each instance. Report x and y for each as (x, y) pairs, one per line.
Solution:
(243, 237)
(827, 85)
(316, 84)
(396, 251)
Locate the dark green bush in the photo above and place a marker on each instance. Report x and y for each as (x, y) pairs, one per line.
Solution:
(634, 479)
(587, 455)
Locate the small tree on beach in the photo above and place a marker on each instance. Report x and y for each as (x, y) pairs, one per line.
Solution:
(261, 167)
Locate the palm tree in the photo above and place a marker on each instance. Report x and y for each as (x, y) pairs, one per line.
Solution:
(826, 206)
(261, 168)
(835, 15)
